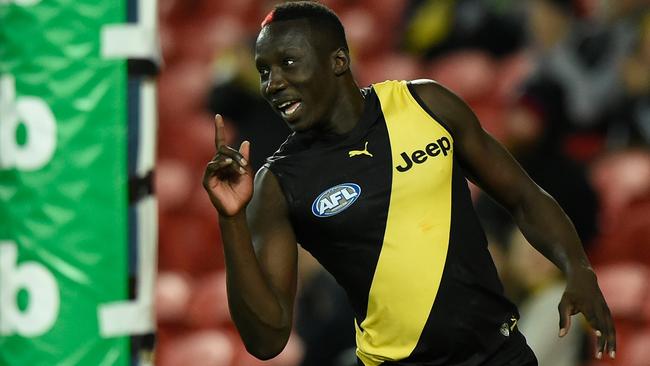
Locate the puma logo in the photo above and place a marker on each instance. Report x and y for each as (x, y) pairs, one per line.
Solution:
(360, 152)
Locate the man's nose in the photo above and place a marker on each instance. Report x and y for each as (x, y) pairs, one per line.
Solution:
(276, 82)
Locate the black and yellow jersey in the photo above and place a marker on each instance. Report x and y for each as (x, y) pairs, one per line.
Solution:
(386, 210)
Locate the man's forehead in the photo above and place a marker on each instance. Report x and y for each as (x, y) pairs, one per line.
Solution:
(295, 30)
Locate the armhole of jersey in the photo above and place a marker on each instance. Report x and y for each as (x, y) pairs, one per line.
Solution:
(285, 191)
(271, 163)
(423, 105)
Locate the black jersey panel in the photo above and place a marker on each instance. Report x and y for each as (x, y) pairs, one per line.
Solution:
(320, 175)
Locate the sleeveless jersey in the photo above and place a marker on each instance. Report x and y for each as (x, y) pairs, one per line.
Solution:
(386, 210)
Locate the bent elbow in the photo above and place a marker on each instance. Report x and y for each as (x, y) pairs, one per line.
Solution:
(268, 346)
(264, 356)
(265, 352)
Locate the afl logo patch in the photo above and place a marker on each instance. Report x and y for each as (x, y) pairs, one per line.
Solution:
(336, 199)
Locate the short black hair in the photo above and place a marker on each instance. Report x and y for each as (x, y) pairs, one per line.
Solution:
(319, 16)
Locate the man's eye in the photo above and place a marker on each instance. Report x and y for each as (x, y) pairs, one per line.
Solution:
(289, 61)
(263, 72)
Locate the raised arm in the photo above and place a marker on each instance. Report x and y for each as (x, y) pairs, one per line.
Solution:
(540, 218)
(259, 246)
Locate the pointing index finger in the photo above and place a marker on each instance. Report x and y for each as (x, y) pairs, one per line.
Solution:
(219, 136)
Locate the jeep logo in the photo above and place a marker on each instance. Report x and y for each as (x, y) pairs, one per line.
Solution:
(441, 145)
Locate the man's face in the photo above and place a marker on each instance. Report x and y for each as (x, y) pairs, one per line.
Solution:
(296, 78)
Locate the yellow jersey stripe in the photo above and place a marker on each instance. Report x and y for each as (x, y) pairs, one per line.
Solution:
(416, 238)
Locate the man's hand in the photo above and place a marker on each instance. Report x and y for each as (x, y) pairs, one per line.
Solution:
(583, 295)
(228, 178)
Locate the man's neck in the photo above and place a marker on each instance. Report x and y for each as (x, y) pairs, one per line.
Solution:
(347, 110)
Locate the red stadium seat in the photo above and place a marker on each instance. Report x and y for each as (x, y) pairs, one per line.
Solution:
(204, 348)
(236, 8)
(182, 89)
(620, 179)
(199, 38)
(639, 349)
(625, 287)
(470, 74)
(208, 306)
(173, 184)
(189, 244)
(172, 296)
(389, 13)
(626, 240)
(362, 31)
(168, 43)
(337, 5)
(392, 66)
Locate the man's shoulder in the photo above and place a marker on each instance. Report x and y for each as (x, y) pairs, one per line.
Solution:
(417, 82)
(288, 150)
(425, 89)
(450, 108)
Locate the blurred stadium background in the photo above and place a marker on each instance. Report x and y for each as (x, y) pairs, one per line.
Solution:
(564, 84)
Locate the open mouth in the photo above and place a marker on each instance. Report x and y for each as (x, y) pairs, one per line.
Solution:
(289, 108)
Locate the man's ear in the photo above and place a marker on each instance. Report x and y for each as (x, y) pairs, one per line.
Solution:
(341, 61)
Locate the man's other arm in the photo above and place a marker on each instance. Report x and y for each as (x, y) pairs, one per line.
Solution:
(259, 246)
(540, 218)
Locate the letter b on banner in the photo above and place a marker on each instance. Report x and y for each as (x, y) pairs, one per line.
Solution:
(37, 118)
(43, 302)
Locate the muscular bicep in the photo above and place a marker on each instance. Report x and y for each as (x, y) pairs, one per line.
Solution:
(495, 170)
(485, 161)
(273, 236)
